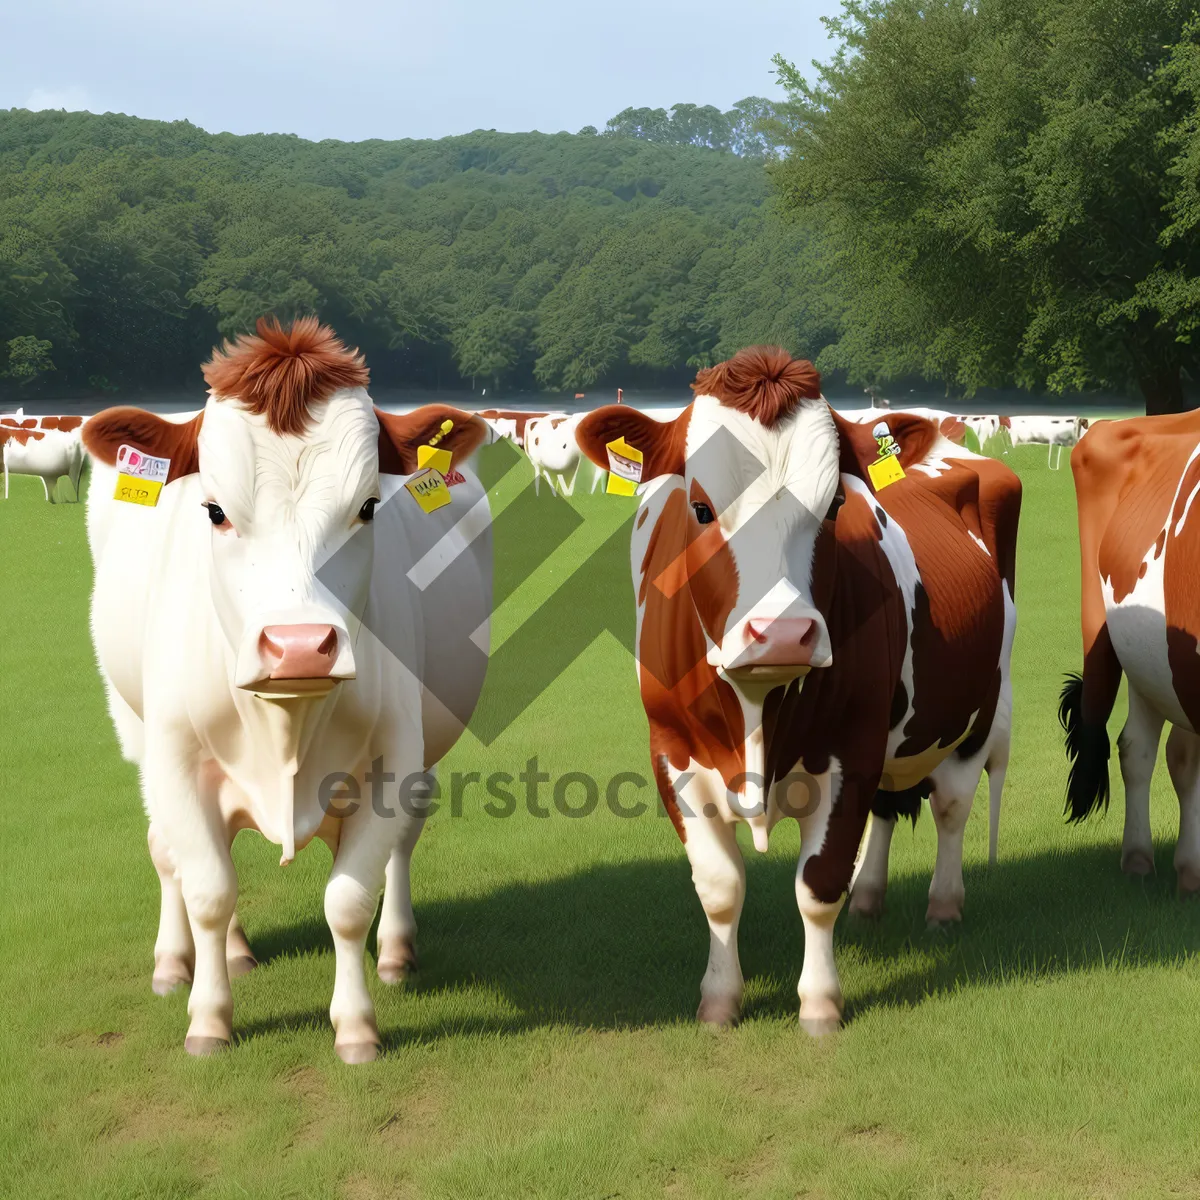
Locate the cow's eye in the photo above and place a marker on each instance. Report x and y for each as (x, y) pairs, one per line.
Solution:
(704, 514)
(216, 514)
(367, 512)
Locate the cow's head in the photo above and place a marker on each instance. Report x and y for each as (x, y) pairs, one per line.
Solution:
(757, 455)
(289, 451)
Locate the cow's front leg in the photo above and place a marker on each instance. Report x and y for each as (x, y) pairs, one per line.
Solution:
(190, 822)
(174, 951)
(395, 945)
(719, 876)
(831, 830)
(351, 897)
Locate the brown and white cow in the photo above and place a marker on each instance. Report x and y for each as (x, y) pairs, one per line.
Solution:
(1136, 483)
(809, 646)
(511, 423)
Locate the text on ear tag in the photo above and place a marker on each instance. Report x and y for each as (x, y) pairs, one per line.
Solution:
(429, 490)
(140, 476)
(624, 468)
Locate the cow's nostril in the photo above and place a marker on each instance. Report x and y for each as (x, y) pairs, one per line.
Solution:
(329, 642)
(270, 652)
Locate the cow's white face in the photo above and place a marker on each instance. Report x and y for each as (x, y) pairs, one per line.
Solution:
(280, 506)
(760, 494)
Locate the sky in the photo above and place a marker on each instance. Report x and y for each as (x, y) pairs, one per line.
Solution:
(378, 69)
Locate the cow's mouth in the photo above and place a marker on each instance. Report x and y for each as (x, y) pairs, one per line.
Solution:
(292, 689)
(773, 673)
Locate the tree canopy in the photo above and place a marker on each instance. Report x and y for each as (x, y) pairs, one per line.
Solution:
(1008, 191)
(127, 247)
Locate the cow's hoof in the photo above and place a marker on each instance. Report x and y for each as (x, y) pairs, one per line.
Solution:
(170, 974)
(1137, 863)
(942, 914)
(397, 959)
(819, 1027)
(242, 965)
(867, 902)
(1188, 879)
(202, 1047)
(719, 1012)
(354, 1053)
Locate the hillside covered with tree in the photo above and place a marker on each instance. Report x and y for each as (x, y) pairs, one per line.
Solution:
(519, 261)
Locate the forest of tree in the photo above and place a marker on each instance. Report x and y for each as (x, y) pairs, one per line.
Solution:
(994, 193)
(515, 261)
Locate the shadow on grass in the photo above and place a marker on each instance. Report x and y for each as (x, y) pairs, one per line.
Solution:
(625, 945)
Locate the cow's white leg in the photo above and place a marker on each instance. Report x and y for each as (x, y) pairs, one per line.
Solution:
(238, 955)
(1138, 748)
(820, 989)
(190, 820)
(174, 951)
(395, 942)
(954, 784)
(719, 876)
(870, 883)
(1183, 761)
(351, 897)
(46, 489)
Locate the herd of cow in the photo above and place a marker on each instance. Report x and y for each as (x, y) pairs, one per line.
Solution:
(50, 447)
(825, 620)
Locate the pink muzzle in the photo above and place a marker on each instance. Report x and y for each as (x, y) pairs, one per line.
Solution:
(779, 642)
(298, 651)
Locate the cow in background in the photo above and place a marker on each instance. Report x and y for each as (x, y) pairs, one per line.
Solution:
(243, 683)
(1136, 484)
(511, 424)
(811, 643)
(50, 454)
(1051, 432)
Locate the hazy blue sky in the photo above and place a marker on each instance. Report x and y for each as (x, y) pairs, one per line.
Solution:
(373, 68)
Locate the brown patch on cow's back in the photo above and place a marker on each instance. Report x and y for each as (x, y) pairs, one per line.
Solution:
(64, 424)
(281, 372)
(19, 423)
(20, 436)
(1181, 596)
(765, 382)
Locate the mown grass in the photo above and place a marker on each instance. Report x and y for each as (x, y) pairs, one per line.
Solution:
(546, 1047)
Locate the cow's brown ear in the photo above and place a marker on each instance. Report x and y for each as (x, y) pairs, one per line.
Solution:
(915, 435)
(106, 432)
(663, 443)
(400, 436)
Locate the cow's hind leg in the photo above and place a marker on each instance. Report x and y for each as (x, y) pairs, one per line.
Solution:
(238, 955)
(954, 784)
(1183, 761)
(870, 881)
(174, 950)
(1138, 747)
(395, 944)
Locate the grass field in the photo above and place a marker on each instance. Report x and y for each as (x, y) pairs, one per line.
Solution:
(547, 1047)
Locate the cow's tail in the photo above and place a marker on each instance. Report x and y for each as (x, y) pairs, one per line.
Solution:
(1087, 736)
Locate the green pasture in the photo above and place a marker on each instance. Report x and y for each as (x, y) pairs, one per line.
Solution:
(546, 1047)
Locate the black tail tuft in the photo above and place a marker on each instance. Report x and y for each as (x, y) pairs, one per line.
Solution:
(1088, 751)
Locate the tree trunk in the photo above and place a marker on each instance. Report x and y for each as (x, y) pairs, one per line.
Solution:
(1163, 390)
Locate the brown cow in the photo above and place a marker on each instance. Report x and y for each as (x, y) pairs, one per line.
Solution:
(809, 644)
(1135, 484)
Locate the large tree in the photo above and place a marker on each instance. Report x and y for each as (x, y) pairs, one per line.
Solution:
(1008, 189)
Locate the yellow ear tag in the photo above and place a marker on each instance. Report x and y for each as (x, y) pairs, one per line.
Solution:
(429, 456)
(140, 476)
(886, 469)
(624, 468)
(429, 490)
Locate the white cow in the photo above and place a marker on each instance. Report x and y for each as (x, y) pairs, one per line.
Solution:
(49, 454)
(255, 693)
(1048, 431)
(552, 449)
